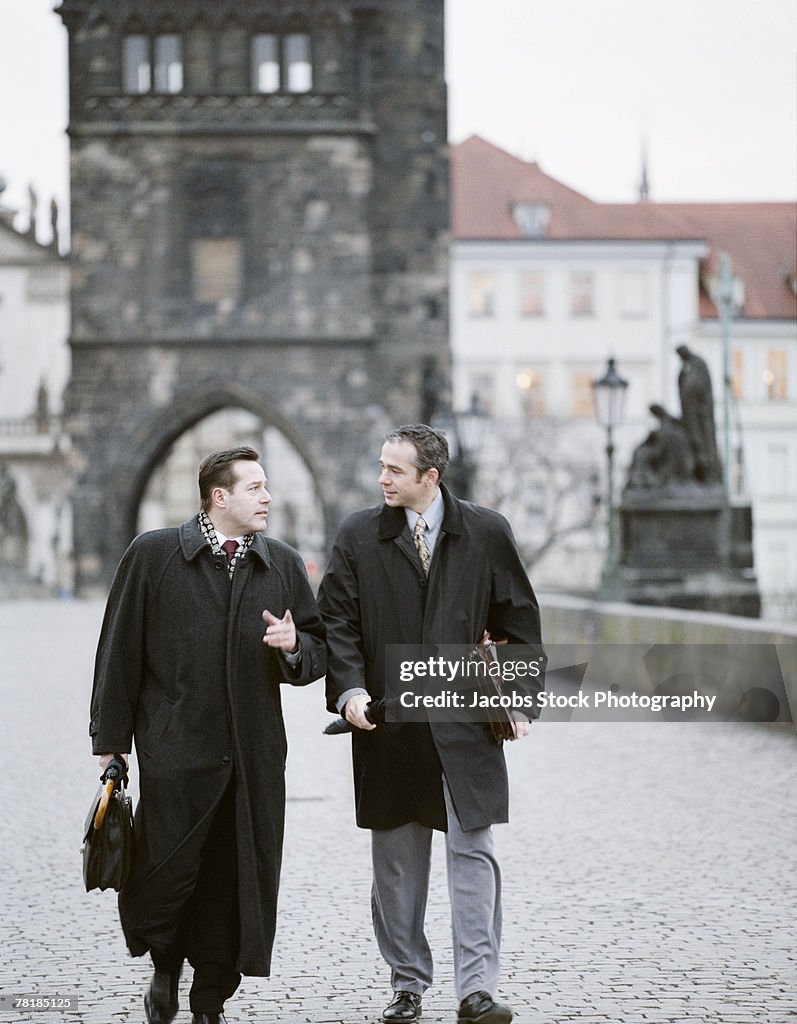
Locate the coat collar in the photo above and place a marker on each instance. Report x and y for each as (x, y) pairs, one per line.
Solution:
(192, 541)
(393, 520)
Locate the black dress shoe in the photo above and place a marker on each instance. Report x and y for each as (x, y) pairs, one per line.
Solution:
(481, 1008)
(160, 1003)
(404, 1007)
(208, 1018)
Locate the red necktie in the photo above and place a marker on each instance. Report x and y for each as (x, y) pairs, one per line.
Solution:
(230, 546)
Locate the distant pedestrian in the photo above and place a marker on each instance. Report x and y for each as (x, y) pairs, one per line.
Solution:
(424, 567)
(203, 623)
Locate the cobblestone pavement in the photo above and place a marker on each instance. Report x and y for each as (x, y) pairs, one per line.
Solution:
(649, 870)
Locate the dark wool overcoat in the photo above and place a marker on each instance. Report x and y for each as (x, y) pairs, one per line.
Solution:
(182, 667)
(375, 593)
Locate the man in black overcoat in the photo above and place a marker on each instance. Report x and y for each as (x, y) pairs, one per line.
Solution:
(427, 568)
(203, 623)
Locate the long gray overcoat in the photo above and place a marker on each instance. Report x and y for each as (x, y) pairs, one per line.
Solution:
(375, 593)
(182, 667)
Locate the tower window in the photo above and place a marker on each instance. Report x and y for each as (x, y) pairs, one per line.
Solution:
(298, 66)
(168, 63)
(136, 69)
(265, 63)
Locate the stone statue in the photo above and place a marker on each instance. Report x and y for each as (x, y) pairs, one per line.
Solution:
(697, 412)
(664, 458)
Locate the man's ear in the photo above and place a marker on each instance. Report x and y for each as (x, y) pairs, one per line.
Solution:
(433, 474)
(218, 497)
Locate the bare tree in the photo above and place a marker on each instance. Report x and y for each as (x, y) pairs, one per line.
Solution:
(542, 475)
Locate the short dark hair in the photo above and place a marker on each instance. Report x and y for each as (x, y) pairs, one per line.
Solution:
(431, 447)
(218, 470)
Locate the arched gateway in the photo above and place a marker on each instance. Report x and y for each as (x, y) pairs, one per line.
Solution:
(259, 220)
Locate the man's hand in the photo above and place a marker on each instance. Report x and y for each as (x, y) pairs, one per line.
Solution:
(354, 711)
(105, 760)
(280, 633)
(520, 724)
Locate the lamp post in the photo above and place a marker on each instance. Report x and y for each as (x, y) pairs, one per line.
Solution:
(609, 392)
(465, 433)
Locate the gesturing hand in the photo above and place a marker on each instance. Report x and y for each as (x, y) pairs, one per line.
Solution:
(280, 633)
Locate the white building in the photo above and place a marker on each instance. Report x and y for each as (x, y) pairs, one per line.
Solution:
(35, 505)
(546, 284)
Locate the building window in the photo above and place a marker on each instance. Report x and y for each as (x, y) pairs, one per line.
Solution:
(216, 266)
(265, 63)
(532, 219)
(777, 470)
(136, 69)
(481, 295)
(582, 287)
(581, 397)
(633, 294)
(482, 390)
(298, 66)
(168, 63)
(531, 392)
(532, 293)
(775, 375)
(737, 373)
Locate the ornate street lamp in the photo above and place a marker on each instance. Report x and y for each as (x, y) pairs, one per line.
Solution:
(609, 392)
(465, 434)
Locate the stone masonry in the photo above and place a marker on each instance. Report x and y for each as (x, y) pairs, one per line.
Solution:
(238, 242)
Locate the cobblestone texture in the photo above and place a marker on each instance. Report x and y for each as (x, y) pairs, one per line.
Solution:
(649, 871)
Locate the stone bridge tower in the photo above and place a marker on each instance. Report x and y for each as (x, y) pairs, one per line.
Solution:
(259, 221)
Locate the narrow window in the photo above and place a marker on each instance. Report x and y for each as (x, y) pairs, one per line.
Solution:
(737, 373)
(581, 394)
(532, 293)
(265, 63)
(531, 392)
(775, 374)
(298, 68)
(168, 63)
(481, 295)
(136, 70)
(582, 300)
(633, 295)
(217, 269)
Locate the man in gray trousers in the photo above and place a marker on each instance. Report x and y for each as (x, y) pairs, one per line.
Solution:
(426, 568)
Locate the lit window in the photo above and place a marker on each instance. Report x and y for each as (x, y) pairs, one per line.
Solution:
(582, 287)
(299, 69)
(532, 293)
(531, 392)
(581, 397)
(168, 63)
(265, 63)
(217, 265)
(136, 69)
(481, 295)
(775, 374)
(737, 373)
(633, 294)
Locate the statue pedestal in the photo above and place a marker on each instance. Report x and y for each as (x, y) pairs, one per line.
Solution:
(686, 547)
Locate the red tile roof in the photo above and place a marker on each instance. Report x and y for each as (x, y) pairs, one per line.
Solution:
(760, 238)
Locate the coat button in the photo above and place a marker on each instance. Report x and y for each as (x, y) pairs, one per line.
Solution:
(218, 565)
(225, 760)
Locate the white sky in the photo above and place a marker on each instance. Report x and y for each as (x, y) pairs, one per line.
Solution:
(574, 84)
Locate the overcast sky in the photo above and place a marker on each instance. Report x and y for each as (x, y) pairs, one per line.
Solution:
(575, 84)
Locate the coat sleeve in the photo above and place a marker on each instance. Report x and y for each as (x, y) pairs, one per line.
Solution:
(339, 601)
(118, 667)
(309, 629)
(514, 613)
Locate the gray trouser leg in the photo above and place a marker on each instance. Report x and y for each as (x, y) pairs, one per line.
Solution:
(401, 860)
(474, 888)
